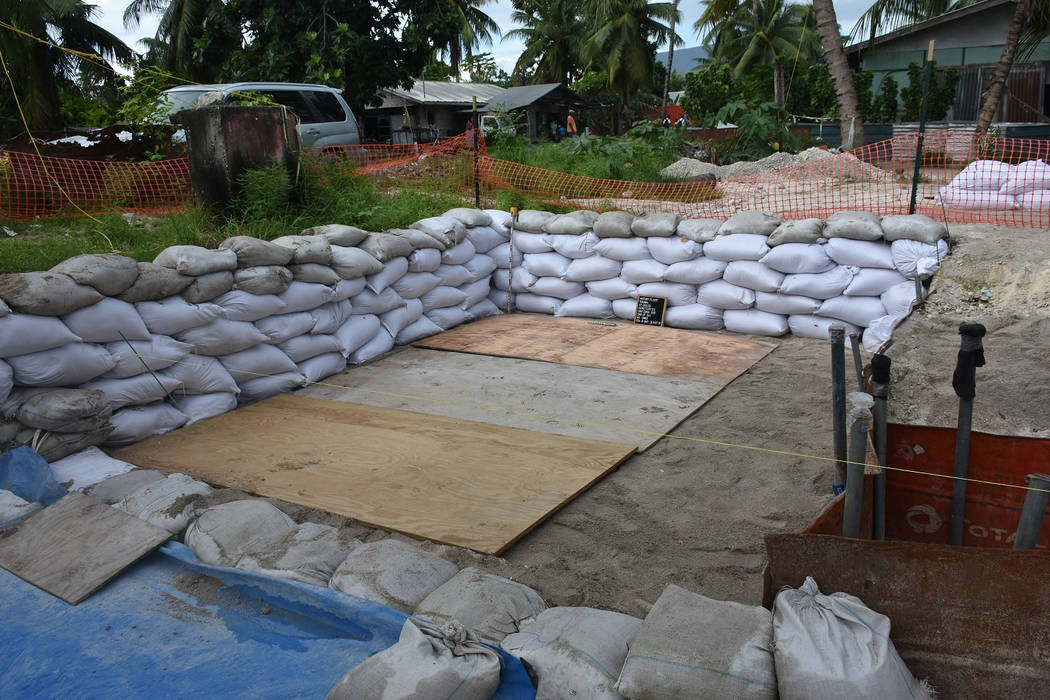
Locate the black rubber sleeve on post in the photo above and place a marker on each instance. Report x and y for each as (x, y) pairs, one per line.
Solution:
(880, 369)
(964, 380)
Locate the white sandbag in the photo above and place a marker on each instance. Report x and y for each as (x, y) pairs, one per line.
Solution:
(108, 273)
(723, 295)
(14, 509)
(485, 238)
(873, 281)
(357, 331)
(879, 331)
(329, 317)
(592, 269)
(224, 533)
(307, 249)
(259, 361)
(136, 423)
(154, 501)
(174, 314)
(983, 175)
(642, 271)
(304, 347)
(736, 246)
(64, 410)
(800, 231)
(956, 198)
(458, 254)
(302, 296)
(575, 652)
(699, 230)
(394, 270)
(554, 287)
(200, 375)
(859, 311)
(755, 321)
(586, 306)
(380, 343)
(480, 267)
(207, 287)
(262, 279)
(854, 225)
(417, 238)
(393, 321)
(68, 365)
(1027, 176)
(532, 220)
(309, 554)
(574, 247)
(415, 284)
(347, 288)
(786, 304)
(134, 391)
(314, 273)
(521, 280)
(699, 317)
(847, 251)
(673, 249)
(448, 316)
(196, 261)
(692, 646)
(914, 259)
(337, 234)
(914, 227)
(531, 243)
(446, 229)
(807, 326)
(440, 297)
(222, 337)
(483, 309)
(626, 308)
(113, 489)
(21, 334)
(475, 291)
(836, 646)
(655, 224)
(453, 275)
(501, 220)
(7, 382)
(45, 293)
(421, 328)
(571, 224)
(490, 605)
(506, 257)
(696, 271)
(534, 304)
(86, 468)
(899, 298)
(138, 356)
(154, 282)
(391, 572)
(613, 224)
(280, 328)
(761, 223)
(54, 446)
(243, 306)
(204, 406)
(753, 275)
(106, 321)
(265, 387)
(368, 302)
(819, 286)
(447, 661)
(546, 264)
(623, 249)
(1034, 200)
(796, 258)
(252, 252)
(676, 294)
(354, 263)
(611, 289)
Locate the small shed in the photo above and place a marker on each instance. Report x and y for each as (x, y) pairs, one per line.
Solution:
(543, 105)
(428, 111)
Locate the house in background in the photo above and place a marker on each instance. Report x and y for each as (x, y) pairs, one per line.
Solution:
(686, 60)
(428, 111)
(542, 105)
(970, 39)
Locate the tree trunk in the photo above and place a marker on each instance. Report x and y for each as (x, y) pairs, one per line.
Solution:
(835, 57)
(1002, 71)
(778, 84)
(670, 62)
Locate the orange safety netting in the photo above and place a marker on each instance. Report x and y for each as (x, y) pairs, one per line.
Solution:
(877, 177)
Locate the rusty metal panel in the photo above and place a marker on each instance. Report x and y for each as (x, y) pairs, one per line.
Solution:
(973, 621)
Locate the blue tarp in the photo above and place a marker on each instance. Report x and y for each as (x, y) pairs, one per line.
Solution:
(171, 627)
(28, 475)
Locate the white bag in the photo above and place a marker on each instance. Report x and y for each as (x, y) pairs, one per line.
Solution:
(723, 295)
(503, 300)
(458, 254)
(329, 317)
(483, 309)
(303, 296)
(304, 347)
(87, 468)
(204, 406)
(200, 375)
(627, 308)
(252, 252)
(676, 294)
(264, 279)
(368, 302)
(846, 251)
(533, 304)
(807, 326)
(501, 220)
(21, 334)
(134, 391)
(136, 423)
(242, 306)
(174, 314)
(915, 227)
(424, 260)
(415, 284)
(854, 225)
(642, 271)
(453, 275)
(957, 198)
(480, 267)
(755, 222)
(506, 257)
(440, 297)
(222, 337)
(573, 247)
(798, 258)
(623, 249)
(448, 317)
(899, 298)
(110, 274)
(983, 175)
(392, 573)
(674, 249)
(819, 286)
(421, 328)
(485, 238)
(859, 311)
(154, 501)
(337, 234)
(307, 249)
(872, 281)
(68, 365)
(698, 317)
(591, 269)
(1034, 200)
(571, 224)
(314, 273)
(546, 264)
(586, 306)
(7, 382)
(399, 318)
(394, 270)
(321, 366)
(555, 287)
(106, 321)
(753, 275)
(358, 331)
(196, 261)
(521, 280)
(699, 230)
(469, 217)
(532, 220)
(265, 387)
(280, 328)
(786, 304)
(1027, 176)
(879, 331)
(475, 291)
(755, 321)
(736, 246)
(531, 243)
(611, 289)
(207, 287)
(382, 342)
(259, 361)
(613, 224)
(697, 271)
(801, 231)
(914, 259)
(158, 352)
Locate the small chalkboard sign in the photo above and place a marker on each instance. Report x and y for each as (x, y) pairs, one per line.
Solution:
(650, 310)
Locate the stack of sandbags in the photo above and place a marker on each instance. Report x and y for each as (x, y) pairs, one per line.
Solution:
(983, 185)
(59, 422)
(1029, 184)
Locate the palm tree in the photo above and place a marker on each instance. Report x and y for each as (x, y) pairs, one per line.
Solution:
(465, 28)
(551, 32)
(183, 23)
(36, 69)
(670, 63)
(835, 57)
(889, 15)
(1029, 25)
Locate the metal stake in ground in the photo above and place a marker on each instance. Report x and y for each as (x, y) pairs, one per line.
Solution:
(964, 381)
(880, 382)
(858, 364)
(860, 424)
(477, 128)
(837, 331)
(922, 127)
(1033, 511)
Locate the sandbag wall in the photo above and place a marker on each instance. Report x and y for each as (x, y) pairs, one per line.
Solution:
(993, 184)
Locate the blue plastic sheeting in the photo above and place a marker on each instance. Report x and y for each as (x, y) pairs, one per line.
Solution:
(28, 475)
(172, 627)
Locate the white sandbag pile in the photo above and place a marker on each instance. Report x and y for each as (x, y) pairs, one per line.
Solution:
(391, 572)
(993, 184)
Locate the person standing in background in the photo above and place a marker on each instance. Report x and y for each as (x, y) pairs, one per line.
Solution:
(570, 124)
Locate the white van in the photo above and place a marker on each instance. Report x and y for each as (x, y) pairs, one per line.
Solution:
(324, 117)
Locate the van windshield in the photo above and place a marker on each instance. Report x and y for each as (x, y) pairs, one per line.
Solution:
(184, 99)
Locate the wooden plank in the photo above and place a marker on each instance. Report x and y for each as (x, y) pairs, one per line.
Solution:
(74, 546)
(459, 482)
(586, 402)
(626, 347)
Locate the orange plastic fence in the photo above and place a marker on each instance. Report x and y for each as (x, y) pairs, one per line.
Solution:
(955, 181)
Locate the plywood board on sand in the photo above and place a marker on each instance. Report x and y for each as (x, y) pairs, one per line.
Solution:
(627, 347)
(587, 402)
(459, 482)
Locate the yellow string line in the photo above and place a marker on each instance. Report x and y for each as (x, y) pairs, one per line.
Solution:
(590, 424)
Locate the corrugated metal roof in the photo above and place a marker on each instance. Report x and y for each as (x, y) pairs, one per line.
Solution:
(522, 96)
(438, 92)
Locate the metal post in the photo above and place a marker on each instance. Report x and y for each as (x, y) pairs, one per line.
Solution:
(922, 126)
(860, 424)
(971, 356)
(858, 364)
(837, 331)
(880, 381)
(1033, 511)
(477, 184)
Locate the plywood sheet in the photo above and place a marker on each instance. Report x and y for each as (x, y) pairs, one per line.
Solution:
(627, 347)
(587, 402)
(74, 546)
(459, 482)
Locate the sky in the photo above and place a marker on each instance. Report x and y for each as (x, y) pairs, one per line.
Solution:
(506, 52)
